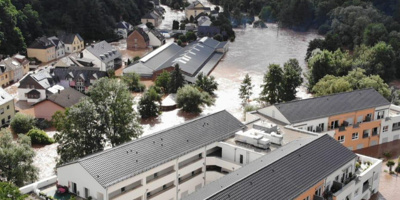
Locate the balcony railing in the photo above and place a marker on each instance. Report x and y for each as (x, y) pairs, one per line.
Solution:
(316, 197)
(190, 177)
(365, 135)
(374, 133)
(160, 192)
(191, 162)
(127, 191)
(161, 176)
(365, 187)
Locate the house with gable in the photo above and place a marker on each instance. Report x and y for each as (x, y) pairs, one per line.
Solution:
(42, 49)
(103, 56)
(138, 39)
(73, 42)
(37, 86)
(59, 45)
(195, 8)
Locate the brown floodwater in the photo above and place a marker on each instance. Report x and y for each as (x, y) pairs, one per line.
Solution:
(252, 52)
(388, 184)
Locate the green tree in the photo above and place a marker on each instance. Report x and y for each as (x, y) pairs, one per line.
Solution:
(191, 36)
(114, 103)
(183, 38)
(132, 80)
(163, 81)
(39, 137)
(218, 37)
(150, 25)
(11, 38)
(390, 164)
(206, 83)
(78, 131)
(190, 99)
(397, 169)
(267, 14)
(136, 58)
(10, 192)
(29, 23)
(147, 106)
(374, 33)
(291, 79)
(175, 25)
(245, 90)
(176, 80)
(331, 85)
(22, 123)
(16, 159)
(272, 85)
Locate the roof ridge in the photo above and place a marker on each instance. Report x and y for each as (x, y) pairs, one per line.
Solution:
(297, 100)
(144, 137)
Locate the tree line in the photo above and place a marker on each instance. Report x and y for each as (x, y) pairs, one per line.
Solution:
(21, 21)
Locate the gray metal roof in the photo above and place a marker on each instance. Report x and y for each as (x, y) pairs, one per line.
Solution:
(104, 51)
(139, 68)
(285, 173)
(65, 98)
(160, 60)
(314, 108)
(119, 163)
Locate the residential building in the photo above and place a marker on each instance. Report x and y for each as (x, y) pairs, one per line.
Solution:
(317, 168)
(22, 61)
(163, 165)
(123, 28)
(138, 39)
(103, 55)
(73, 42)
(42, 49)
(204, 21)
(37, 86)
(156, 39)
(195, 8)
(353, 118)
(60, 47)
(79, 78)
(7, 108)
(173, 163)
(208, 31)
(152, 17)
(57, 102)
(198, 57)
(6, 71)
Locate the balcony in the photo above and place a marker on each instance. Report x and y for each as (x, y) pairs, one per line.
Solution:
(161, 176)
(316, 197)
(161, 192)
(217, 161)
(341, 190)
(374, 133)
(196, 174)
(128, 193)
(191, 162)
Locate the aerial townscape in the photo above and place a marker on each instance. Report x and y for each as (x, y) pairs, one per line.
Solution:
(199, 99)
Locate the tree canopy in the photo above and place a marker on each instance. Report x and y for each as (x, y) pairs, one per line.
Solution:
(190, 99)
(177, 80)
(16, 159)
(9, 191)
(147, 105)
(206, 83)
(245, 90)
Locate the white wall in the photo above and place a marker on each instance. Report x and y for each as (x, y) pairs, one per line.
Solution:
(23, 91)
(77, 174)
(273, 112)
(154, 41)
(389, 135)
(99, 64)
(314, 123)
(232, 154)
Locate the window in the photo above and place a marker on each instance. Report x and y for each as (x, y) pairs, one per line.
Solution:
(2, 111)
(385, 128)
(241, 159)
(380, 114)
(368, 117)
(354, 136)
(396, 126)
(307, 198)
(123, 189)
(8, 107)
(341, 138)
(366, 133)
(356, 192)
(334, 124)
(309, 128)
(321, 126)
(200, 155)
(9, 117)
(375, 131)
(155, 175)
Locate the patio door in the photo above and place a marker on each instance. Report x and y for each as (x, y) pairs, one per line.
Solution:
(86, 193)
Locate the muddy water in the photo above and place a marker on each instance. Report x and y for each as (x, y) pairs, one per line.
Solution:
(252, 52)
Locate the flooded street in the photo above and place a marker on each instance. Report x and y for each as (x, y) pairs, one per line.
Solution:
(252, 52)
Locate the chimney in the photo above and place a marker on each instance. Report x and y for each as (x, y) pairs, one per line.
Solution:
(59, 91)
(81, 55)
(92, 45)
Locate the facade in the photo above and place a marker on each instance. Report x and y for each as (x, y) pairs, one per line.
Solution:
(104, 56)
(316, 168)
(156, 39)
(353, 118)
(57, 102)
(42, 49)
(7, 108)
(204, 21)
(122, 28)
(60, 47)
(6, 71)
(22, 61)
(36, 87)
(198, 57)
(138, 39)
(153, 17)
(73, 42)
(195, 8)
(79, 78)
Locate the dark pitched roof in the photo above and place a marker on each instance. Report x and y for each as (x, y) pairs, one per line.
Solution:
(157, 34)
(67, 97)
(208, 31)
(34, 92)
(119, 163)
(61, 73)
(314, 108)
(284, 173)
(41, 43)
(68, 38)
(123, 25)
(194, 4)
(150, 15)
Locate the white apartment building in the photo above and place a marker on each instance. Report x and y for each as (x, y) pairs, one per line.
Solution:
(176, 162)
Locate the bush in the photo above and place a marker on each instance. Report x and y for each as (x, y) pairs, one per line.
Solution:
(39, 137)
(42, 123)
(22, 123)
